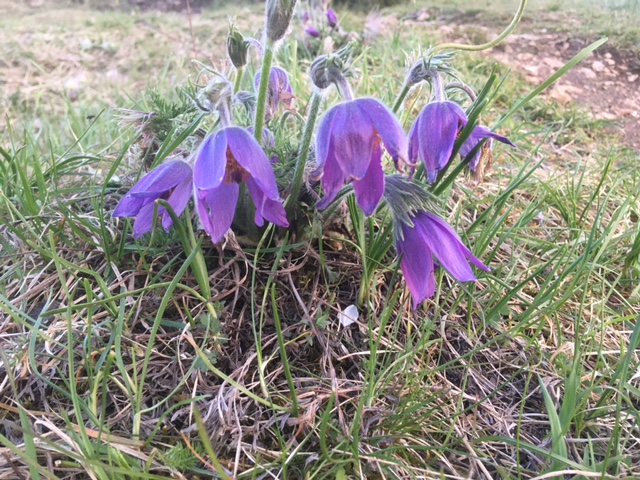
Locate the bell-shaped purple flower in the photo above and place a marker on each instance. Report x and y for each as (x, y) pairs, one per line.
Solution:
(431, 237)
(349, 148)
(433, 135)
(279, 91)
(171, 181)
(312, 31)
(332, 18)
(227, 158)
(479, 133)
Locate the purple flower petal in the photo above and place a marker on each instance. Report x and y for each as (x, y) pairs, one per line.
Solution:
(178, 201)
(129, 206)
(353, 139)
(312, 31)
(153, 185)
(332, 181)
(279, 90)
(387, 127)
(332, 18)
(348, 147)
(435, 132)
(479, 133)
(323, 137)
(252, 158)
(370, 188)
(211, 163)
(272, 210)
(144, 220)
(216, 208)
(416, 264)
(447, 247)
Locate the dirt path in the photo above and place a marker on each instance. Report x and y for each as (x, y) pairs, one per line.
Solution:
(608, 81)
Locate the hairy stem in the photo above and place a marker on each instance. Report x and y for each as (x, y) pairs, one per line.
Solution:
(236, 85)
(401, 96)
(492, 43)
(303, 155)
(267, 59)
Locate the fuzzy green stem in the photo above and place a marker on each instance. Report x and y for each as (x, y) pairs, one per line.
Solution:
(303, 155)
(344, 88)
(189, 243)
(236, 85)
(476, 48)
(401, 96)
(438, 88)
(267, 59)
(363, 292)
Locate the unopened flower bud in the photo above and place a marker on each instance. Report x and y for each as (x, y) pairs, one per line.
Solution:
(427, 67)
(218, 90)
(247, 100)
(419, 72)
(332, 18)
(333, 68)
(279, 13)
(237, 47)
(324, 72)
(312, 31)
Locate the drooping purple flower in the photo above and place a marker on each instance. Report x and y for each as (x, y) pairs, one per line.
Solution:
(349, 148)
(279, 91)
(332, 18)
(433, 135)
(171, 181)
(312, 31)
(479, 133)
(227, 158)
(431, 237)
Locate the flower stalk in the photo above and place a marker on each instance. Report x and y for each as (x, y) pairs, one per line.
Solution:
(238, 81)
(401, 96)
(189, 243)
(267, 59)
(303, 154)
(484, 46)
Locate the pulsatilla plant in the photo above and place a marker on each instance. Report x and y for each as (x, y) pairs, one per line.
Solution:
(361, 149)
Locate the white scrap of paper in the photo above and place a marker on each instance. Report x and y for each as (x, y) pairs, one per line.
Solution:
(348, 316)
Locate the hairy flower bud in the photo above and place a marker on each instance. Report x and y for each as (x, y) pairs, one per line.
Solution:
(332, 18)
(218, 90)
(324, 72)
(333, 68)
(279, 13)
(237, 47)
(247, 100)
(424, 69)
(312, 31)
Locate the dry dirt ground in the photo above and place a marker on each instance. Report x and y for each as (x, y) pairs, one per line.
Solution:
(608, 81)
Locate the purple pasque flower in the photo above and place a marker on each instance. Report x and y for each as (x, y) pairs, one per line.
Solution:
(171, 181)
(433, 135)
(349, 148)
(312, 31)
(431, 237)
(227, 158)
(479, 133)
(278, 91)
(332, 18)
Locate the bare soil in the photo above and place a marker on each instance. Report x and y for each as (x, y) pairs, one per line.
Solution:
(608, 82)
